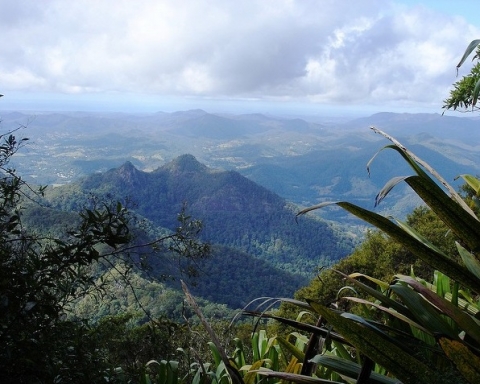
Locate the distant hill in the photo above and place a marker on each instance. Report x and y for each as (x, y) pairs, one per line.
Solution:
(410, 124)
(253, 230)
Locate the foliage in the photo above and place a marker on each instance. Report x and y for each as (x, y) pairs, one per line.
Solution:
(43, 275)
(432, 318)
(143, 295)
(464, 94)
(402, 328)
(377, 256)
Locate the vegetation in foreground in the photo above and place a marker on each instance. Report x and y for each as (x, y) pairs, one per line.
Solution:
(384, 325)
(43, 276)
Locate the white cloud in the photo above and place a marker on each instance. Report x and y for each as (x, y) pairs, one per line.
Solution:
(322, 51)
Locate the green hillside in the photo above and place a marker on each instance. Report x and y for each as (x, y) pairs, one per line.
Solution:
(235, 211)
(246, 224)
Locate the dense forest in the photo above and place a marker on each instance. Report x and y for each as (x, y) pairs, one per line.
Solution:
(245, 224)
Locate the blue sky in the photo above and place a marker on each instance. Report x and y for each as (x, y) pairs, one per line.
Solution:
(466, 9)
(273, 56)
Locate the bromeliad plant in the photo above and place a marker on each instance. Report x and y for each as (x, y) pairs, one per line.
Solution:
(410, 331)
(407, 330)
(404, 331)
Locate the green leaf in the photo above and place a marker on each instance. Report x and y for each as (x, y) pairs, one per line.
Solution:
(464, 321)
(215, 353)
(239, 353)
(462, 224)
(291, 348)
(350, 369)
(442, 284)
(371, 325)
(420, 250)
(378, 348)
(472, 182)
(384, 299)
(468, 51)
(390, 312)
(469, 304)
(423, 312)
(297, 303)
(387, 188)
(383, 285)
(255, 347)
(470, 261)
(341, 350)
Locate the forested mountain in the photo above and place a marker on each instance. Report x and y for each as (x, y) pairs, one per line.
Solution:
(246, 224)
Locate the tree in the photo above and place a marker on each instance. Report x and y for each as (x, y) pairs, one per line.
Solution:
(42, 274)
(464, 94)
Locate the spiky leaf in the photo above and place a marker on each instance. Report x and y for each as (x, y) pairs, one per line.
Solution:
(420, 250)
(466, 322)
(378, 347)
(350, 369)
(470, 261)
(423, 312)
(468, 51)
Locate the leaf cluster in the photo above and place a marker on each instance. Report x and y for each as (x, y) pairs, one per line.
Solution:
(404, 328)
(465, 92)
(44, 273)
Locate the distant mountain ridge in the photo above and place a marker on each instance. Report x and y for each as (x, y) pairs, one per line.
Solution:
(302, 161)
(241, 176)
(408, 124)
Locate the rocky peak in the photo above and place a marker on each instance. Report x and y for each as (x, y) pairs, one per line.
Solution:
(185, 164)
(129, 173)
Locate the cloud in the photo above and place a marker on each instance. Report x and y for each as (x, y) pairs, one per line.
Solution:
(329, 52)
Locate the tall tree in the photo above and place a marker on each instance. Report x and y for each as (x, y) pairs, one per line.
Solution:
(42, 274)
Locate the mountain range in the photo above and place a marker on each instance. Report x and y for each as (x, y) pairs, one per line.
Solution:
(304, 162)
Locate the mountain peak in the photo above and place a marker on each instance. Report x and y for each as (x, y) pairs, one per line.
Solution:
(192, 113)
(185, 163)
(129, 173)
(127, 166)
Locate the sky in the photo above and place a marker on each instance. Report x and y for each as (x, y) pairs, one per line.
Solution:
(269, 56)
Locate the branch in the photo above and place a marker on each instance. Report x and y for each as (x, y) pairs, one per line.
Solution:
(236, 378)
